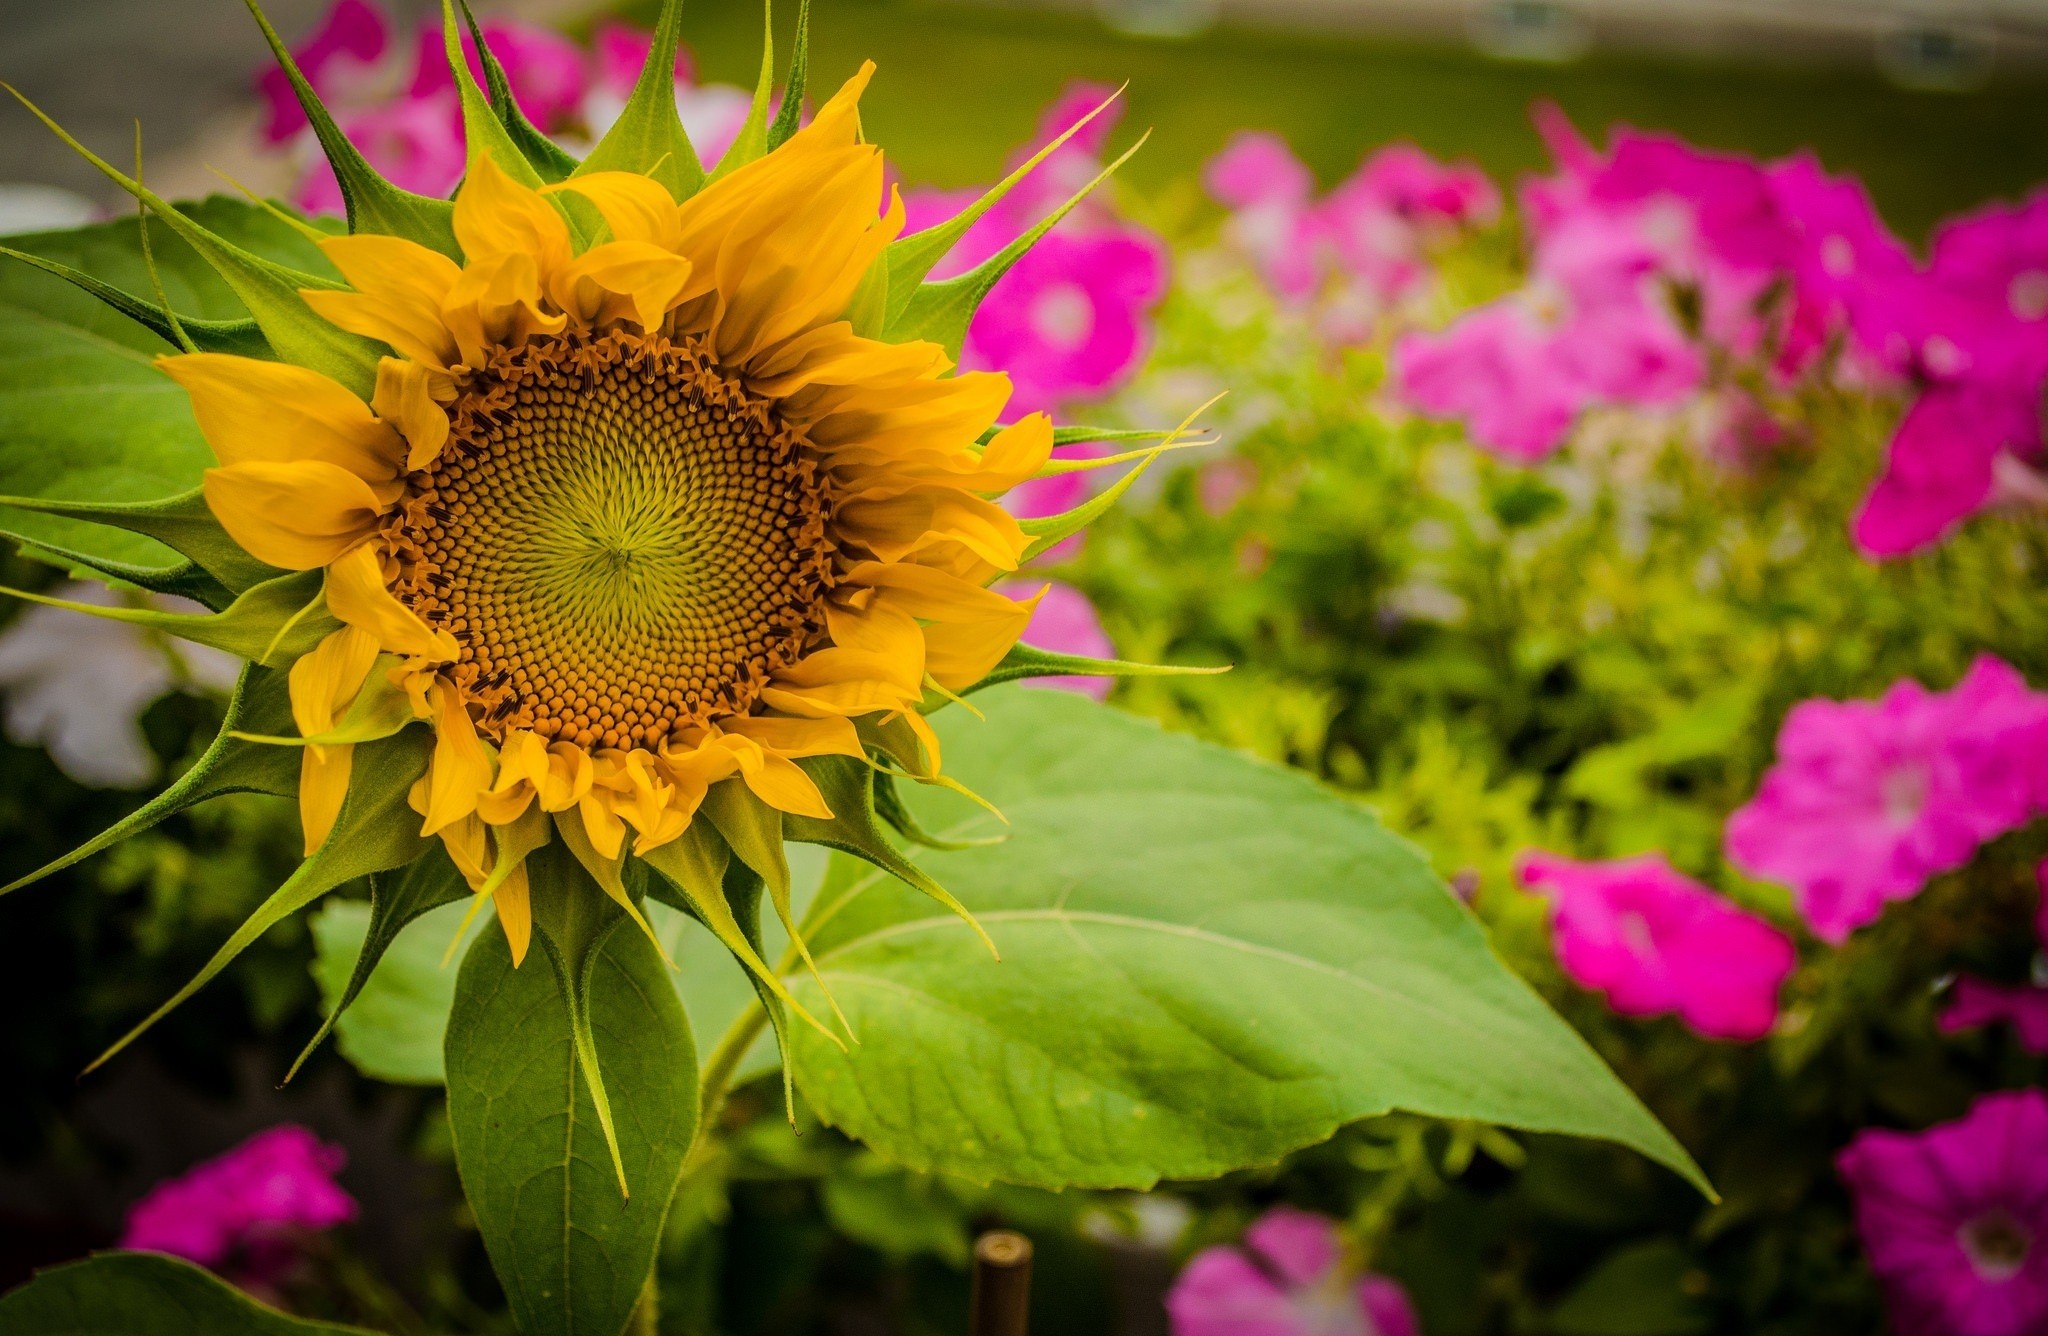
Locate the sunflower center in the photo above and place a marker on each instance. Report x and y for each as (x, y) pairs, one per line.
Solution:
(623, 542)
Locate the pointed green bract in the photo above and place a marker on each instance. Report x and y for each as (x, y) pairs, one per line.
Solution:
(376, 831)
(380, 709)
(183, 523)
(226, 766)
(752, 140)
(942, 311)
(269, 290)
(268, 624)
(790, 117)
(396, 899)
(848, 786)
(1048, 531)
(1025, 661)
(571, 1250)
(482, 132)
(890, 807)
(648, 138)
(373, 203)
(909, 259)
(239, 337)
(543, 154)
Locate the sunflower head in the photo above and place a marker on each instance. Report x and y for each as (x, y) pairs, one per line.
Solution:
(609, 504)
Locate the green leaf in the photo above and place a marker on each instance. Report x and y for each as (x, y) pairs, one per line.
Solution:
(373, 203)
(648, 137)
(395, 1032)
(377, 830)
(571, 1250)
(183, 523)
(144, 1294)
(1207, 963)
(227, 766)
(544, 155)
(241, 338)
(1639, 1290)
(273, 623)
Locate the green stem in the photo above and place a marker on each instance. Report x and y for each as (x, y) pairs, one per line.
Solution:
(646, 1320)
(715, 1082)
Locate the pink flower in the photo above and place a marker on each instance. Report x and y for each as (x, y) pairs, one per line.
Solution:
(241, 1209)
(1269, 193)
(547, 71)
(1960, 445)
(1379, 223)
(1287, 1280)
(342, 52)
(1655, 941)
(1843, 258)
(1954, 1219)
(1869, 799)
(1064, 623)
(1976, 1004)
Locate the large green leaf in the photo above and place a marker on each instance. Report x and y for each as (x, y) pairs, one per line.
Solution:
(83, 414)
(571, 1250)
(144, 1294)
(1207, 962)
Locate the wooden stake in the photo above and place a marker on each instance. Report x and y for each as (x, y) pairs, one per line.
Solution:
(1001, 1305)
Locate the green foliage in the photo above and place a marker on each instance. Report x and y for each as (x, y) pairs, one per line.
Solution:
(384, 973)
(572, 1249)
(1206, 964)
(144, 1294)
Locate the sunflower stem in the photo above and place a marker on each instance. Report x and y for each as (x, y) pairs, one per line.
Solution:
(716, 1081)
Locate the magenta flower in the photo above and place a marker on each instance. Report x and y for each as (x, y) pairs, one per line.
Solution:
(1070, 320)
(1655, 941)
(1064, 622)
(1954, 1219)
(1287, 1280)
(1269, 192)
(340, 55)
(242, 1210)
(1380, 223)
(1962, 446)
(1869, 799)
(1975, 1004)
(1843, 259)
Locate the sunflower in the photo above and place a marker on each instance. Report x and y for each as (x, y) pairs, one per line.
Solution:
(611, 508)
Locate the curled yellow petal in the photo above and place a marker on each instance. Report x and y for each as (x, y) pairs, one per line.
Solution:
(405, 397)
(460, 769)
(274, 412)
(357, 594)
(635, 207)
(399, 287)
(296, 516)
(630, 280)
(496, 216)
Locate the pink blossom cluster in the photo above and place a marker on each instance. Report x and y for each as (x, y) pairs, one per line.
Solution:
(1289, 1279)
(1069, 321)
(1955, 1219)
(1655, 942)
(1655, 261)
(1869, 799)
(1976, 1003)
(246, 1211)
(399, 106)
(1363, 250)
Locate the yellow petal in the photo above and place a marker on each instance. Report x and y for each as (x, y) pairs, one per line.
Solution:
(357, 594)
(635, 207)
(324, 681)
(522, 765)
(897, 527)
(274, 412)
(497, 302)
(621, 280)
(496, 216)
(323, 783)
(405, 398)
(782, 784)
(960, 653)
(399, 287)
(297, 516)
(798, 737)
(1015, 454)
(460, 770)
(515, 913)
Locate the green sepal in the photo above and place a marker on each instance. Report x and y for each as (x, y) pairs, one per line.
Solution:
(380, 709)
(396, 899)
(145, 1294)
(1029, 661)
(848, 786)
(790, 118)
(543, 154)
(184, 580)
(751, 143)
(482, 132)
(226, 766)
(868, 310)
(373, 203)
(239, 337)
(184, 523)
(890, 807)
(648, 138)
(376, 831)
(754, 831)
(573, 1250)
(1049, 531)
(269, 290)
(272, 624)
(910, 258)
(942, 311)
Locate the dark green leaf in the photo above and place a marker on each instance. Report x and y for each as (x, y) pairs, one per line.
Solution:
(144, 1294)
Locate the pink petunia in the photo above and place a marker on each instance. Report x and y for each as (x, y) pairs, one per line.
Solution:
(1287, 1280)
(242, 1210)
(1975, 1004)
(1944, 463)
(1381, 221)
(1869, 799)
(341, 53)
(1655, 941)
(1844, 258)
(1270, 194)
(1954, 1219)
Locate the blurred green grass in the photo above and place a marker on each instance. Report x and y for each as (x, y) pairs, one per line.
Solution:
(960, 85)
